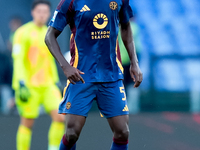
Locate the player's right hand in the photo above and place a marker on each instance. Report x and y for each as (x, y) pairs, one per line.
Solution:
(24, 93)
(73, 74)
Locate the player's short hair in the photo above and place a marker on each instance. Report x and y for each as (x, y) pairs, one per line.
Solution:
(37, 2)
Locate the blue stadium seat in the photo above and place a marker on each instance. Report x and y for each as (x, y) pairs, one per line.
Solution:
(171, 28)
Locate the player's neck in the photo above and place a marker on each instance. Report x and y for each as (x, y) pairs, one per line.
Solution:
(39, 25)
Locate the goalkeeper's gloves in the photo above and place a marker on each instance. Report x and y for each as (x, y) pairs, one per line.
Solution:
(24, 93)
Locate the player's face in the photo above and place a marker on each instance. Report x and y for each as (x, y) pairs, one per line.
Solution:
(41, 14)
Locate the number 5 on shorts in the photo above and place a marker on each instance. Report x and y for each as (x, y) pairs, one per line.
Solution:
(123, 91)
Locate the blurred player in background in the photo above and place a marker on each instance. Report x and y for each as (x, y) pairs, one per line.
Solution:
(6, 92)
(14, 24)
(95, 72)
(34, 78)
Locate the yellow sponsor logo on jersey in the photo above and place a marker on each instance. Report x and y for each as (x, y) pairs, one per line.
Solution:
(100, 21)
(97, 18)
(100, 35)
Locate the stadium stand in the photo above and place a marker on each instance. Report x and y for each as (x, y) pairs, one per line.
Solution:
(170, 33)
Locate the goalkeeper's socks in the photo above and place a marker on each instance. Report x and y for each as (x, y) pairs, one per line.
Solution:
(56, 131)
(64, 145)
(119, 144)
(23, 138)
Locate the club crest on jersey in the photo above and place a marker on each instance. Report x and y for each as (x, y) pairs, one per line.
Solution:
(113, 5)
(68, 106)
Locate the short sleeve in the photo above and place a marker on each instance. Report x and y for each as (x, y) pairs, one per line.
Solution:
(62, 15)
(125, 12)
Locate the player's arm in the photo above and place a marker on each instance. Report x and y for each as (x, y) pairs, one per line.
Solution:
(125, 14)
(18, 55)
(72, 74)
(127, 39)
(20, 47)
(61, 18)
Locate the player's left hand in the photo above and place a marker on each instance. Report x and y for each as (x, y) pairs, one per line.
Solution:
(136, 74)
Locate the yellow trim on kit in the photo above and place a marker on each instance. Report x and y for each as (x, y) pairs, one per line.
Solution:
(101, 115)
(74, 65)
(71, 37)
(118, 62)
(76, 53)
(64, 91)
(76, 56)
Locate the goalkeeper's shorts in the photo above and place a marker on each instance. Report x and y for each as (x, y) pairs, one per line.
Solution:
(49, 97)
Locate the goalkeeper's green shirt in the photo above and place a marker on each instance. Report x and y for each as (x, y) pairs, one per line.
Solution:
(32, 60)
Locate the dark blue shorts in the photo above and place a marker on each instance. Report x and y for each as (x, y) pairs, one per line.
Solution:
(110, 97)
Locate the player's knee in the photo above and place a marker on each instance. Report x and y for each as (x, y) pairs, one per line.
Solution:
(71, 136)
(27, 122)
(122, 134)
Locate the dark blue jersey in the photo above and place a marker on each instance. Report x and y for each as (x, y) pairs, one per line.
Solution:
(94, 40)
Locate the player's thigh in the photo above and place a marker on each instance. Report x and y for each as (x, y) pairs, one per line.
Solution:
(74, 124)
(51, 98)
(29, 109)
(78, 99)
(111, 99)
(119, 123)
